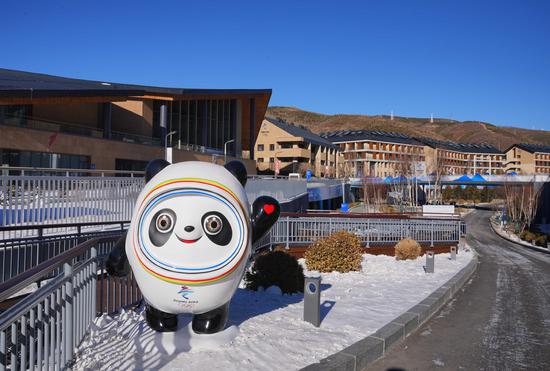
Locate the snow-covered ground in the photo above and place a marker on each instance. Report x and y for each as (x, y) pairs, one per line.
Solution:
(266, 329)
(515, 238)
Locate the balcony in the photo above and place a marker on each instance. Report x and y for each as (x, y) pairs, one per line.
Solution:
(293, 152)
(88, 131)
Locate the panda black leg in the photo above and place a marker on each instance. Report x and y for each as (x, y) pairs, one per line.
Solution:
(211, 322)
(161, 321)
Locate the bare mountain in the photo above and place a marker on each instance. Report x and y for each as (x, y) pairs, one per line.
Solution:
(441, 129)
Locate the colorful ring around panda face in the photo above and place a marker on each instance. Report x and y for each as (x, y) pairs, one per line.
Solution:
(150, 255)
(163, 270)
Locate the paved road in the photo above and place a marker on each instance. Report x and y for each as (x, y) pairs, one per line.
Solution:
(500, 320)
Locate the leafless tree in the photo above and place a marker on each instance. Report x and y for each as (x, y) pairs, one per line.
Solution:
(374, 194)
(437, 170)
(522, 201)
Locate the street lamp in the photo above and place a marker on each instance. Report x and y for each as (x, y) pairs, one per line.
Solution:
(225, 150)
(166, 146)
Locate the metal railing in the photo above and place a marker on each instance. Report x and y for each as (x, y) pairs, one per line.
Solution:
(42, 330)
(24, 247)
(385, 231)
(59, 171)
(33, 200)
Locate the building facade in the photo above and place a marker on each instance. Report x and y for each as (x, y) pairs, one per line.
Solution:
(285, 148)
(528, 159)
(50, 121)
(368, 153)
(378, 153)
(450, 158)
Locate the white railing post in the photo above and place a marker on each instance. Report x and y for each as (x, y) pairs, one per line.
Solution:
(93, 255)
(69, 320)
(287, 232)
(432, 233)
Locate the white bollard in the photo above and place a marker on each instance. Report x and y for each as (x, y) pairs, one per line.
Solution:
(430, 264)
(453, 252)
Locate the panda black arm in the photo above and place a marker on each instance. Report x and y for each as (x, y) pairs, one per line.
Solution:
(117, 262)
(265, 212)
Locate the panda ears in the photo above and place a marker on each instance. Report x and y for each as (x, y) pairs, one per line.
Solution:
(154, 167)
(234, 167)
(238, 170)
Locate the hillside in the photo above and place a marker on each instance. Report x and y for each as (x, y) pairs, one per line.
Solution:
(442, 129)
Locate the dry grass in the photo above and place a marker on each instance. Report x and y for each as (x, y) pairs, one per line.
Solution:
(441, 129)
(406, 249)
(340, 252)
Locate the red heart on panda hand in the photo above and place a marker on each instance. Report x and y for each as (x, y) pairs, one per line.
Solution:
(269, 208)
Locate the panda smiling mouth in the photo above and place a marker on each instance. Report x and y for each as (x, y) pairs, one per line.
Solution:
(188, 241)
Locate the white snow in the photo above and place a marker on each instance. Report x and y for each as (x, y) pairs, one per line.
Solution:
(266, 330)
(515, 238)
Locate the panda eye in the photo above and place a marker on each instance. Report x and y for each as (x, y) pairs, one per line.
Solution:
(213, 224)
(164, 223)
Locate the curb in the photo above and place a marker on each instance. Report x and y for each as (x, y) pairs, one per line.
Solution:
(504, 236)
(359, 355)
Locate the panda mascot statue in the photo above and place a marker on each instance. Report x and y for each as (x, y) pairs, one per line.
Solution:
(190, 240)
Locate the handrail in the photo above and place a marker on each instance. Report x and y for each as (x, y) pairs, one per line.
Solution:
(70, 170)
(58, 225)
(24, 279)
(14, 312)
(368, 215)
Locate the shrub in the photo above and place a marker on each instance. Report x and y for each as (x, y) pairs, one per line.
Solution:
(527, 236)
(276, 268)
(541, 240)
(407, 248)
(340, 252)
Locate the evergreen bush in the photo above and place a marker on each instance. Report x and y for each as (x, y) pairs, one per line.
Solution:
(276, 268)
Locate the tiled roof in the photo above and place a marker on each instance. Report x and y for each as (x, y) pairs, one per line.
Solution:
(532, 147)
(460, 147)
(300, 131)
(375, 135)
(21, 84)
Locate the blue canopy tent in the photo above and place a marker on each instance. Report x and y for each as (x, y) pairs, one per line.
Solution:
(463, 179)
(478, 178)
(388, 179)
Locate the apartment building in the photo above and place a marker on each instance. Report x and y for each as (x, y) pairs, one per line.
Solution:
(528, 159)
(462, 158)
(378, 153)
(59, 122)
(284, 148)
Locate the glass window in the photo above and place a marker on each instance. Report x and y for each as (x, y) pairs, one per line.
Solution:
(174, 124)
(272, 147)
(18, 158)
(260, 159)
(130, 165)
(200, 120)
(15, 115)
(260, 147)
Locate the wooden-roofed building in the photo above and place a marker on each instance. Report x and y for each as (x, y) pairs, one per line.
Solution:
(51, 121)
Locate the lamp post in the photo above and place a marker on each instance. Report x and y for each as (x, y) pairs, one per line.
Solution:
(166, 146)
(225, 150)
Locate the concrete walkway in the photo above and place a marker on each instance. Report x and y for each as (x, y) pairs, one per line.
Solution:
(501, 320)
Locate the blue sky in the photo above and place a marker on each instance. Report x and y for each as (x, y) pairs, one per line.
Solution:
(465, 60)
